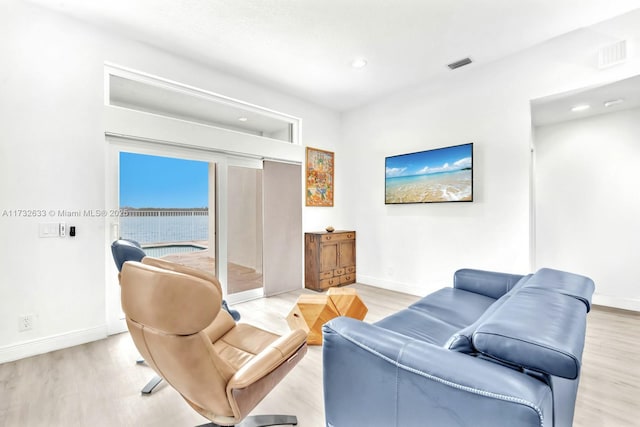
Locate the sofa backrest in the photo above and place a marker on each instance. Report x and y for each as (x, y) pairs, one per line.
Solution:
(573, 285)
(461, 341)
(488, 283)
(538, 325)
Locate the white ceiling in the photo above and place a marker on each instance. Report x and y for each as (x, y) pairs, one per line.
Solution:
(304, 47)
(557, 108)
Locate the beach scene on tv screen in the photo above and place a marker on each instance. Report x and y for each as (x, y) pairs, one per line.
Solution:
(441, 175)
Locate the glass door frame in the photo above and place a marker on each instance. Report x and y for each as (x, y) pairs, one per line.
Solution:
(222, 225)
(116, 144)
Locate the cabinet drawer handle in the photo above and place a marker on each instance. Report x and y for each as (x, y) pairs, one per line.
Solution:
(328, 237)
(349, 236)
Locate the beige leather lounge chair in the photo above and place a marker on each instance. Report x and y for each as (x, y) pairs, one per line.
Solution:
(222, 369)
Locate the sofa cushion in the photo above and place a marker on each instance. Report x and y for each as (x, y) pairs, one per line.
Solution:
(418, 325)
(454, 306)
(536, 329)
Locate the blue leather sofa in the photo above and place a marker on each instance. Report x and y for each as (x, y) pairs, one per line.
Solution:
(494, 350)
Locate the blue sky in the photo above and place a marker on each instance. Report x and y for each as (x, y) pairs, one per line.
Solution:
(429, 162)
(162, 182)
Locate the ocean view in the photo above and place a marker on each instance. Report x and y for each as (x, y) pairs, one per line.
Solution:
(165, 200)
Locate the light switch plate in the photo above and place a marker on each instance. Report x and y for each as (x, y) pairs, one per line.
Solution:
(50, 229)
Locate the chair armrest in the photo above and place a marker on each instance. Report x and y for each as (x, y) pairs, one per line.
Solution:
(488, 283)
(376, 377)
(268, 359)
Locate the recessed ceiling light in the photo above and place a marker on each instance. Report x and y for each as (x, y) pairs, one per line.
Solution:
(613, 102)
(242, 119)
(581, 107)
(359, 63)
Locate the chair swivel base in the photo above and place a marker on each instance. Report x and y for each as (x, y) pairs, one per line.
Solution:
(151, 385)
(262, 421)
(153, 382)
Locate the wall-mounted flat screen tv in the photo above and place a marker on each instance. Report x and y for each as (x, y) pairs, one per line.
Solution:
(432, 176)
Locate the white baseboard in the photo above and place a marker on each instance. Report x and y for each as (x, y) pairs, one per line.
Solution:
(617, 302)
(37, 346)
(391, 285)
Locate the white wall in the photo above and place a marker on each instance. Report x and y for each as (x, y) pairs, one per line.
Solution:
(52, 156)
(587, 208)
(417, 248)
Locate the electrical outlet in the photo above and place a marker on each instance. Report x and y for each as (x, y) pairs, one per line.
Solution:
(25, 322)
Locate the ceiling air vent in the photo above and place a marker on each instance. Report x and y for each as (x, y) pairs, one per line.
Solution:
(612, 54)
(460, 63)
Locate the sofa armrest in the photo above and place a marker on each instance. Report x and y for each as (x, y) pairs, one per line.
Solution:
(376, 377)
(488, 283)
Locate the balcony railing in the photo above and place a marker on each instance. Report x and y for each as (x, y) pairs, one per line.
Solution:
(161, 226)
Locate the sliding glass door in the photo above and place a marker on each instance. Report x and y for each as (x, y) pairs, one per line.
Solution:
(192, 207)
(244, 228)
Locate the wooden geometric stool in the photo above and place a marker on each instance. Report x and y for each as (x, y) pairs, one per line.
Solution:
(313, 311)
(348, 302)
(309, 314)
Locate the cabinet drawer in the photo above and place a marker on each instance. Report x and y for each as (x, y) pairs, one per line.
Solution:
(327, 283)
(326, 274)
(337, 237)
(347, 278)
(350, 270)
(339, 272)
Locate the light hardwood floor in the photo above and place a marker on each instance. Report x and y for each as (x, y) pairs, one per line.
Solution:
(98, 384)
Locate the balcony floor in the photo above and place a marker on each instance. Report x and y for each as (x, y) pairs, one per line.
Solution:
(240, 278)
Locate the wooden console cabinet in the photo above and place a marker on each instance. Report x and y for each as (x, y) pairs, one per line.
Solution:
(329, 259)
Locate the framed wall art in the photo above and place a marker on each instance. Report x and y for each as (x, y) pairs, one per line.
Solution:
(319, 177)
(431, 176)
